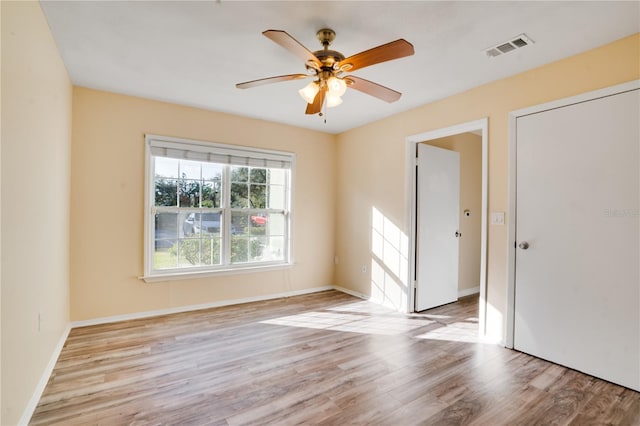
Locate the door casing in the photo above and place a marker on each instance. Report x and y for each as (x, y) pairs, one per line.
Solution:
(481, 125)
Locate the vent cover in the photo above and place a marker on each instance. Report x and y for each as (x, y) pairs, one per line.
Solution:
(509, 46)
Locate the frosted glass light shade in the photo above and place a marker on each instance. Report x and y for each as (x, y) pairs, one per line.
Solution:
(337, 86)
(309, 92)
(333, 100)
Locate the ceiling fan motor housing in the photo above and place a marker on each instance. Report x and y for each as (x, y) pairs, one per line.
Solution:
(328, 57)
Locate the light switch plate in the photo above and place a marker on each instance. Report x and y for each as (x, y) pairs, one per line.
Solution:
(497, 218)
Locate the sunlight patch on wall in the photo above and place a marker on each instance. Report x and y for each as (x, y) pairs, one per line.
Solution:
(389, 262)
(495, 324)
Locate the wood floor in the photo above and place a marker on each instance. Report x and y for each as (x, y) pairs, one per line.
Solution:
(325, 358)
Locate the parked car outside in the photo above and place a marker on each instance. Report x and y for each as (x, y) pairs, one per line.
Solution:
(198, 223)
(258, 220)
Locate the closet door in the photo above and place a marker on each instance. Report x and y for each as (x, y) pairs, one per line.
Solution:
(577, 271)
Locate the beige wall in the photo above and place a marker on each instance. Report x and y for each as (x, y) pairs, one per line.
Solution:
(469, 146)
(36, 141)
(371, 159)
(107, 202)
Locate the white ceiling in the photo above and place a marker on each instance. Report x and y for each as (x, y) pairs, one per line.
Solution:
(193, 53)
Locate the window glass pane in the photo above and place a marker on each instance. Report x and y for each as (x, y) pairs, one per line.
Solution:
(189, 193)
(273, 248)
(211, 194)
(245, 249)
(239, 195)
(189, 252)
(258, 175)
(166, 234)
(276, 197)
(256, 248)
(204, 251)
(166, 167)
(210, 223)
(277, 176)
(190, 169)
(212, 171)
(258, 224)
(164, 256)
(239, 174)
(239, 249)
(166, 192)
(166, 226)
(258, 196)
(210, 246)
(239, 223)
(276, 224)
(202, 223)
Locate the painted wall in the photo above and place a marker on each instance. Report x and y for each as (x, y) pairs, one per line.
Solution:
(371, 159)
(469, 146)
(107, 204)
(36, 144)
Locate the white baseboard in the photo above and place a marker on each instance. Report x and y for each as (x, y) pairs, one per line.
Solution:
(468, 291)
(351, 292)
(44, 379)
(189, 308)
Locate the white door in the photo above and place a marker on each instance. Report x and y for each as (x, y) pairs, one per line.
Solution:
(577, 284)
(437, 234)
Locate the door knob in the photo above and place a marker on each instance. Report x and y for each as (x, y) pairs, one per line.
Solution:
(524, 245)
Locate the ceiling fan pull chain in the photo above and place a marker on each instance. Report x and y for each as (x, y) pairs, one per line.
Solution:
(323, 113)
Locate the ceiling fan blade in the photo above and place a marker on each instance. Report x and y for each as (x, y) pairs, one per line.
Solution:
(293, 46)
(387, 52)
(373, 89)
(316, 106)
(269, 80)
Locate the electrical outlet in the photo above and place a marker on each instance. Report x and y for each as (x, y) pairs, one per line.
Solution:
(364, 268)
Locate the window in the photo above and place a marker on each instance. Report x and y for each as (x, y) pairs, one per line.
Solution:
(213, 207)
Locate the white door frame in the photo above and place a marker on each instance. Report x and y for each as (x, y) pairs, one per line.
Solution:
(481, 125)
(511, 231)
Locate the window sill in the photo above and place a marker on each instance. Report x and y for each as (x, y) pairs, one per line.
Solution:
(177, 276)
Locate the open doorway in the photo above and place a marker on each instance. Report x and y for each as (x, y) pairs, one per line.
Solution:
(466, 273)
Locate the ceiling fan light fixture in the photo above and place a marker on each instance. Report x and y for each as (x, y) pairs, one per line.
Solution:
(309, 92)
(337, 86)
(333, 100)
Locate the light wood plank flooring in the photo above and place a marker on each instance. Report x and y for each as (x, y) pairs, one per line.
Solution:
(325, 358)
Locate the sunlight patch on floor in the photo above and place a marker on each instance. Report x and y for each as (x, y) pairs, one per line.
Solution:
(455, 332)
(363, 308)
(350, 323)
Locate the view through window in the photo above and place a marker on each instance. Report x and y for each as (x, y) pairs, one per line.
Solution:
(210, 213)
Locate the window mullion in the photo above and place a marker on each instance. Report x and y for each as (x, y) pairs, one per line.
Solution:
(226, 216)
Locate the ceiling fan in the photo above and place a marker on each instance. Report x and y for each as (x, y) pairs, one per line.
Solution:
(327, 68)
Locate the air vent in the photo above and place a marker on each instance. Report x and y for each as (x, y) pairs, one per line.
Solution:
(509, 46)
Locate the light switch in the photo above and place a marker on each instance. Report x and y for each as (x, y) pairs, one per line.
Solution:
(497, 218)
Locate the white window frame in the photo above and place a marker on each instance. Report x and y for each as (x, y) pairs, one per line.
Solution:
(220, 154)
